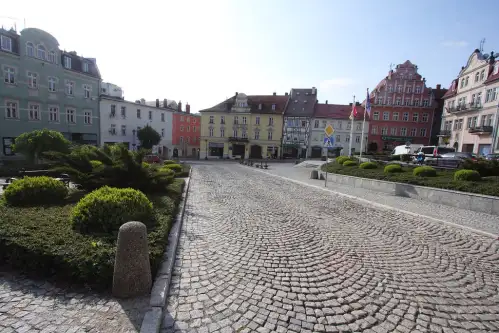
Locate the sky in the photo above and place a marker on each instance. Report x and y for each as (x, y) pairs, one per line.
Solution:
(203, 51)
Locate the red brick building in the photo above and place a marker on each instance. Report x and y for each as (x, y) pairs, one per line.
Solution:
(186, 131)
(402, 109)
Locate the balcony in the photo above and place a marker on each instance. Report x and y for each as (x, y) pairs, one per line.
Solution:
(444, 133)
(475, 106)
(480, 130)
(235, 139)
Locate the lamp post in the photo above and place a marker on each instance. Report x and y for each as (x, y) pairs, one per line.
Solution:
(206, 153)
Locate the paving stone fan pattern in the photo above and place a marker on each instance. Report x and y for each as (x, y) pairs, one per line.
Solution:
(262, 254)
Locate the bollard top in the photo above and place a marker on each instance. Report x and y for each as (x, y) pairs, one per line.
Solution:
(132, 227)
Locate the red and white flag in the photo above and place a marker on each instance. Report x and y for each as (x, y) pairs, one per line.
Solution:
(354, 112)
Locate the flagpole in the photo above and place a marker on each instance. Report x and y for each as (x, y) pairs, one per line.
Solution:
(351, 128)
(363, 124)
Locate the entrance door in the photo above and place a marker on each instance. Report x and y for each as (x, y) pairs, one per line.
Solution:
(194, 152)
(237, 150)
(468, 147)
(316, 152)
(255, 151)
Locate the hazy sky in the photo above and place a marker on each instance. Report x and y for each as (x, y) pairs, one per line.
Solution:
(204, 51)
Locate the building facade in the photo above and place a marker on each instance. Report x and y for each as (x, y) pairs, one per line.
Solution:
(121, 119)
(186, 132)
(471, 106)
(338, 116)
(297, 118)
(44, 87)
(243, 126)
(402, 110)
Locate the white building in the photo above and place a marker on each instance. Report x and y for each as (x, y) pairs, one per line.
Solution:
(120, 120)
(338, 117)
(470, 114)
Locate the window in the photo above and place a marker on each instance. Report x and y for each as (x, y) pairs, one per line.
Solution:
(426, 103)
(163, 117)
(398, 101)
(188, 119)
(462, 82)
(395, 116)
(222, 132)
(407, 101)
(71, 116)
(53, 114)
(123, 130)
(477, 76)
(482, 75)
(271, 122)
(316, 124)
(409, 90)
(418, 90)
(358, 127)
(7, 146)
(324, 123)
(32, 80)
(194, 128)
(496, 68)
(468, 125)
(374, 130)
(52, 84)
(357, 138)
(414, 131)
(244, 120)
(236, 120)
(51, 57)
(9, 75)
(150, 115)
(375, 115)
(211, 131)
(188, 139)
(69, 88)
(393, 131)
(380, 100)
(6, 43)
(338, 138)
(87, 117)
(162, 132)
(270, 135)
(123, 112)
(384, 131)
(234, 133)
(273, 106)
(460, 125)
(222, 120)
(11, 110)
(257, 135)
(415, 116)
(113, 111)
(390, 89)
(41, 53)
(386, 115)
(181, 139)
(138, 114)
(467, 78)
(212, 119)
(425, 117)
(30, 50)
(489, 120)
(188, 128)
(347, 139)
(495, 92)
(86, 90)
(349, 125)
(34, 112)
(181, 128)
(85, 67)
(340, 124)
(478, 100)
(416, 102)
(399, 88)
(244, 135)
(405, 116)
(67, 62)
(403, 131)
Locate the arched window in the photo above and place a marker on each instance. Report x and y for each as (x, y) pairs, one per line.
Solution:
(41, 53)
(30, 50)
(51, 57)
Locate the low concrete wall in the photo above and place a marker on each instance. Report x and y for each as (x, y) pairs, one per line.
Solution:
(475, 202)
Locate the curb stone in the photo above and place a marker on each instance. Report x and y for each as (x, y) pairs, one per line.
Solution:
(160, 289)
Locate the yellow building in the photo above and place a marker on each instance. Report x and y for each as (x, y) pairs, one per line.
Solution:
(249, 126)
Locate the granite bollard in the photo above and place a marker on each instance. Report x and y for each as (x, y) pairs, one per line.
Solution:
(132, 269)
(314, 174)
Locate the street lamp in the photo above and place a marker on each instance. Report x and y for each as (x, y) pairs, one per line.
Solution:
(206, 153)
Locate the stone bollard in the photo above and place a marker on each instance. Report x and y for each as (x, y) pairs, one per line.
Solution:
(314, 174)
(132, 269)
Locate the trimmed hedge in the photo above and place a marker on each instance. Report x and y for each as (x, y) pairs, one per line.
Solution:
(368, 165)
(467, 175)
(166, 162)
(349, 163)
(175, 167)
(342, 159)
(424, 171)
(33, 191)
(106, 209)
(392, 168)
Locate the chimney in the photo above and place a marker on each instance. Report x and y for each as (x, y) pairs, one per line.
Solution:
(165, 103)
(179, 106)
(187, 108)
(438, 86)
(236, 93)
(274, 94)
(157, 102)
(285, 94)
(326, 101)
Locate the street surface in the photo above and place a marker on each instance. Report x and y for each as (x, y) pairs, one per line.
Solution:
(262, 254)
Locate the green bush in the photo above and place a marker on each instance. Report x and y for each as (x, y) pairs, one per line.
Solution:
(368, 165)
(166, 162)
(32, 191)
(485, 168)
(96, 164)
(424, 171)
(106, 209)
(349, 163)
(392, 168)
(467, 175)
(174, 167)
(342, 159)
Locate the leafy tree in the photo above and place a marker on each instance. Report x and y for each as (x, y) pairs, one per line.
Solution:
(148, 137)
(33, 144)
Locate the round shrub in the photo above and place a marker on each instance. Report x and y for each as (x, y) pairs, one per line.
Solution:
(106, 209)
(174, 167)
(95, 164)
(342, 159)
(32, 191)
(349, 163)
(169, 162)
(424, 171)
(392, 168)
(467, 175)
(368, 165)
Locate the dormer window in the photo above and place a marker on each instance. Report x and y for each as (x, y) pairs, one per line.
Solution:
(496, 68)
(6, 43)
(67, 62)
(273, 107)
(30, 50)
(85, 67)
(41, 53)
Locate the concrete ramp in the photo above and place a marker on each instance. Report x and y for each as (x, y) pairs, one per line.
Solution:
(310, 164)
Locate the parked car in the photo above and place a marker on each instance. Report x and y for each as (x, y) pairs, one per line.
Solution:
(403, 149)
(492, 157)
(152, 159)
(460, 155)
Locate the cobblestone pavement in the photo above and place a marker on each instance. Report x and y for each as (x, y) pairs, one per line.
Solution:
(29, 306)
(262, 254)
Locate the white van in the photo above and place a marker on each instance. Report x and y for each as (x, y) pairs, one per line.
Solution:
(405, 149)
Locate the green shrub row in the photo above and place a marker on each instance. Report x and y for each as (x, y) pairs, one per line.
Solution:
(368, 165)
(467, 175)
(424, 171)
(30, 191)
(392, 168)
(349, 163)
(342, 159)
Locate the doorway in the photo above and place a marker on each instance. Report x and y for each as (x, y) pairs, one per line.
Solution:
(237, 150)
(255, 151)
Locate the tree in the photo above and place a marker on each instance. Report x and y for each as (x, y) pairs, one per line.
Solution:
(33, 144)
(148, 137)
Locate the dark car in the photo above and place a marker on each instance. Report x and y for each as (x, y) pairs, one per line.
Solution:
(492, 157)
(460, 155)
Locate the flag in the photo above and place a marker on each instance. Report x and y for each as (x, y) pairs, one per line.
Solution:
(368, 104)
(354, 112)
